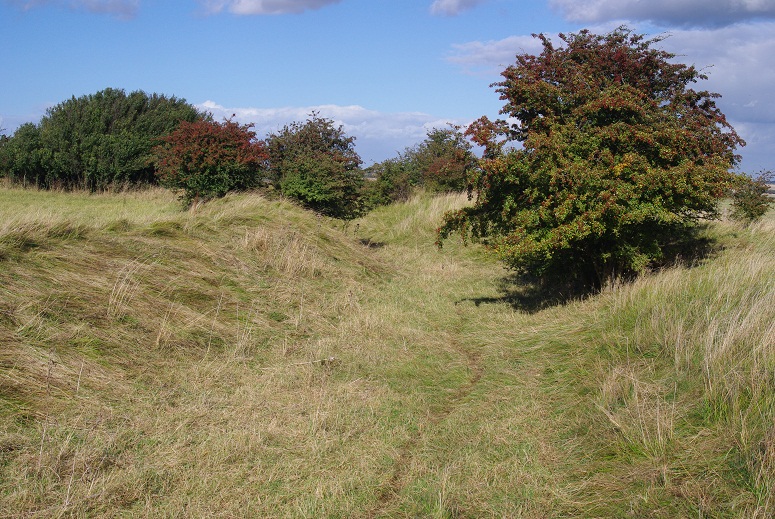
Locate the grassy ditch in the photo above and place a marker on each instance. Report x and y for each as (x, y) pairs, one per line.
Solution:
(252, 359)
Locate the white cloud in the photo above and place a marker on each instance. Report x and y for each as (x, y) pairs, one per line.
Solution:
(707, 13)
(119, 8)
(739, 62)
(265, 7)
(453, 7)
(760, 139)
(491, 57)
(378, 135)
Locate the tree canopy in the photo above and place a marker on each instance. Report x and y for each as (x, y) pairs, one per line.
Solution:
(616, 156)
(94, 141)
(315, 163)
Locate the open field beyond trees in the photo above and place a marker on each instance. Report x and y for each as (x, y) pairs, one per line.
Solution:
(251, 359)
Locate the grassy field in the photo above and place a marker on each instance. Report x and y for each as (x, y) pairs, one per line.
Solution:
(249, 359)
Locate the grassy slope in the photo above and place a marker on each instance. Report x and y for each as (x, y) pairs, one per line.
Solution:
(252, 360)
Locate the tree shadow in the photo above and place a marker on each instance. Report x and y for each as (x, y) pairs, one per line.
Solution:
(531, 294)
(688, 248)
(691, 247)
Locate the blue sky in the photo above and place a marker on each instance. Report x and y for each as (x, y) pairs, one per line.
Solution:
(387, 70)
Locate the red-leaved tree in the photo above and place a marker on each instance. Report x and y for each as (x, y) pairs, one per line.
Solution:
(207, 159)
(619, 157)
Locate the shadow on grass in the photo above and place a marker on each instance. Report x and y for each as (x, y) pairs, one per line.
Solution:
(531, 294)
(527, 293)
(366, 242)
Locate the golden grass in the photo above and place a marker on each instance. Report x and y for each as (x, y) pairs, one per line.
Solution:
(249, 359)
(688, 387)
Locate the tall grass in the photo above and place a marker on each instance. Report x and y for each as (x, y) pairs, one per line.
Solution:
(19, 205)
(251, 359)
(690, 384)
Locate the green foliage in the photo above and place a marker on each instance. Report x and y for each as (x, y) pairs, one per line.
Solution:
(750, 200)
(94, 141)
(207, 159)
(21, 157)
(443, 160)
(619, 158)
(316, 164)
(439, 164)
(392, 182)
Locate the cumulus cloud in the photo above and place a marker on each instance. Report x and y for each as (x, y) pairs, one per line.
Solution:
(119, 8)
(453, 7)
(491, 57)
(740, 64)
(265, 7)
(379, 135)
(690, 13)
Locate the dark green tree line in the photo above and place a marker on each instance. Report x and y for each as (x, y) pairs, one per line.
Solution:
(94, 141)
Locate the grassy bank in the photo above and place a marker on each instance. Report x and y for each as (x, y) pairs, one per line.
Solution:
(251, 359)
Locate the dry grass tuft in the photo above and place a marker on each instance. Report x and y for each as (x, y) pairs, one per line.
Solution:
(288, 253)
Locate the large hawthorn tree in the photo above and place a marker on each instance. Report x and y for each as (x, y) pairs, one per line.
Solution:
(616, 156)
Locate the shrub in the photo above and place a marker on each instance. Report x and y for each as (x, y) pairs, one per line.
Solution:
(95, 141)
(207, 159)
(392, 181)
(316, 164)
(22, 157)
(750, 200)
(619, 159)
(443, 161)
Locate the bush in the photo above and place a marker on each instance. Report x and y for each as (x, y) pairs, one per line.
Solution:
(619, 159)
(207, 159)
(750, 200)
(94, 141)
(441, 163)
(391, 182)
(316, 164)
(22, 157)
